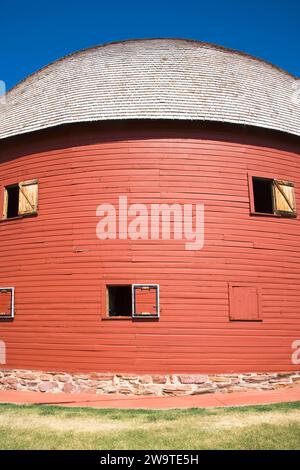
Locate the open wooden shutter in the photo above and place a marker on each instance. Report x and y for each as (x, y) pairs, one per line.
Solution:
(146, 300)
(284, 198)
(28, 197)
(5, 204)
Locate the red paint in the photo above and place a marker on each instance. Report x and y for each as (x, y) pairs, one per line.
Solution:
(5, 303)
(145, 301)
(59, 268)
(244, 302)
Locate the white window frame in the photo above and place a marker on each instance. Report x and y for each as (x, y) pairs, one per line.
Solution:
(155, 286)
(12, 289)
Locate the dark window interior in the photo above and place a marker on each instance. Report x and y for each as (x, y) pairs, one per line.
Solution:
(119, 301)
(12, 201)
(263, 195)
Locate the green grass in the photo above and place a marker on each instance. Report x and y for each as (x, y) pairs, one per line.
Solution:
(53, 427)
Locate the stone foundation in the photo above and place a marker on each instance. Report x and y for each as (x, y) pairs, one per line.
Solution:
(131, 384)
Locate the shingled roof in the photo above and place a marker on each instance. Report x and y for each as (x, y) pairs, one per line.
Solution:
(153, 79)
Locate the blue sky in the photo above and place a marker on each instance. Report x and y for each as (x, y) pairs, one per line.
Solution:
(36, 33)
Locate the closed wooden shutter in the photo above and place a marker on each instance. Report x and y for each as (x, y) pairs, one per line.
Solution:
(5, 303)
(244, 303)
(28, 197)
(284, 196)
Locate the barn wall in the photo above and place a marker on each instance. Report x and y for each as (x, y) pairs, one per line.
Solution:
(59, 268)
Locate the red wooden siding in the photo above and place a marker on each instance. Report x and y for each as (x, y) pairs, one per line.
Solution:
(5, 303)
(59, 268)
(145, 302)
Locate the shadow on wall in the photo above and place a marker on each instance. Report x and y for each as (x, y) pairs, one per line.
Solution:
(87, 133)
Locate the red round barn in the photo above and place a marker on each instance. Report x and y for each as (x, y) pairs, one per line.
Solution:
(149, 227)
